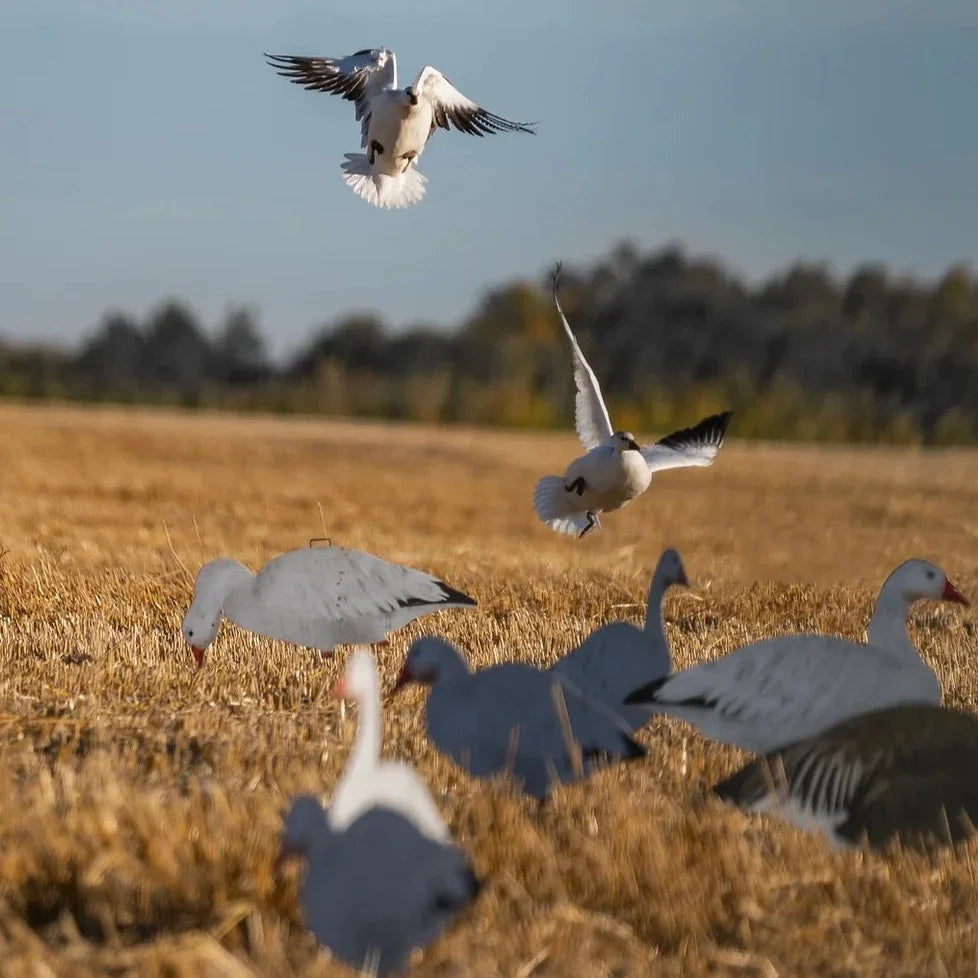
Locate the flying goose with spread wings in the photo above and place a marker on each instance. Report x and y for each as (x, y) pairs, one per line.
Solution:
(616, 468)
(395, 123)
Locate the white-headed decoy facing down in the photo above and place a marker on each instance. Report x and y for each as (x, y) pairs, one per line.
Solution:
(367, 781)
(317, 596)
(619, 658)
(395, 123)
(514, 719)
(378, 889)
(905, 773)
(616, 467)
(785, 689)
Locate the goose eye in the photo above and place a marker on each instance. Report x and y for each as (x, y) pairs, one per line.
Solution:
(930, 575)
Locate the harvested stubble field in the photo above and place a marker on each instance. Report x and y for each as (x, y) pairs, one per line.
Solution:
(142, 800)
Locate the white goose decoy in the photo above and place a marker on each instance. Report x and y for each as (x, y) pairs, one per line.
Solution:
(785, 689)
(395, 123)
(616, 468)
(507, 719)
(619, 658)
(378, 889)
(367, 782)
(317, 596)
(904, 773)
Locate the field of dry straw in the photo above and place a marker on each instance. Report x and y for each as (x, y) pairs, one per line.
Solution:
(142, 800)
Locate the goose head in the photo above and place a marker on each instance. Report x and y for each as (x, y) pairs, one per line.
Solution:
(670, 569)
(428, 660)
(624, 441)
(359, 677)
(411, 95)
(214, 583)
(920, 580)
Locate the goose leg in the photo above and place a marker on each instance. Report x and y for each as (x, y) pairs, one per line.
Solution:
(592, 523)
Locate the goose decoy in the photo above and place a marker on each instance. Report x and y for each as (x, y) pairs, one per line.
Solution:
(317, 596)
(378, 889)
(781, 690)
(905, 773)
(514, 718)
(367, 781)
(618, 658)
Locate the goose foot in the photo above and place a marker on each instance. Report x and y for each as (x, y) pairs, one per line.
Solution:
(592, 522)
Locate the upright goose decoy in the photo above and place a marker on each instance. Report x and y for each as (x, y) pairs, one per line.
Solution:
(395, 123)
(317, 596)
(618, 658)
(906, 773)
(367, 782)
(616, 467)
(378, 889)
(514, 719)
(781, 690)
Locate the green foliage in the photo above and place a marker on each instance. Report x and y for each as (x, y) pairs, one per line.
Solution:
(672, 339)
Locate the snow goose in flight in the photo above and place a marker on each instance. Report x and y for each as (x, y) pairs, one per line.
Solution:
(907, 773)
(616, 468)
(395, 123)
(378, 889)
(368, 782)
(514, 718)
(619, 658)
(785, 689)
(317, 596)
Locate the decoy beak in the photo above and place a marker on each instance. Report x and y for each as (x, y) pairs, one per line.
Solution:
(951, 593)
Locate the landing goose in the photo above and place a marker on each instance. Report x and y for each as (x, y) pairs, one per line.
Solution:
(616, 467)
(514, 718)
(618, 658)
(781, 690)
(395, 123)
(367, 781)
(378, 889)
(317, 596)
(906, 773)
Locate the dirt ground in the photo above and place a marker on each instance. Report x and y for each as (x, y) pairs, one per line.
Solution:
(142, 800)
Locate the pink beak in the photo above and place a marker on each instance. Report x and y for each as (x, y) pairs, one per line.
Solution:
(951, 593)
(338, 692)
(198, 655)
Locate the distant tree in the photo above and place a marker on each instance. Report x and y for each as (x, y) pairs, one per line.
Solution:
(357, 341)
(240, 356)
(176, 354)
(113, 357)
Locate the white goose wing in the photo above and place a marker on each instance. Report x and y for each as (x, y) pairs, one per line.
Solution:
(357, 77)
(452, 108)
(328, 596)
(590, 414)
(697, 445)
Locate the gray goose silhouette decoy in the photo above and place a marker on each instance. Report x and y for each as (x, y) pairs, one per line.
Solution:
(514, 718)
(378, 889)
(618, 658)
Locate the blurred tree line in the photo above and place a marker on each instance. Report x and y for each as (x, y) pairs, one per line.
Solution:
(671, 338)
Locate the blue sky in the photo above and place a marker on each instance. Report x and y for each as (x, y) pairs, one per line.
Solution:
(146, 150)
